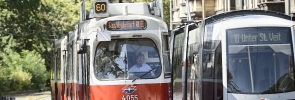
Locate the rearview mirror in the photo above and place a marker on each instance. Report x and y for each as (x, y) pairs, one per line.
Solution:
(112, 45)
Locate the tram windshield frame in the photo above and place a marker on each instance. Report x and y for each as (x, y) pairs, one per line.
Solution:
(114, 59)
(259, 60)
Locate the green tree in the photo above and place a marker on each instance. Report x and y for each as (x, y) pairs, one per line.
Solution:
(166, 6)
(11, 73)
(20, 71)
(33, 63)
(27, 29)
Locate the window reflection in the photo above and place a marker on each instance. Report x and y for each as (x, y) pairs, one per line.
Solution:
(260, 63)
(115, 59)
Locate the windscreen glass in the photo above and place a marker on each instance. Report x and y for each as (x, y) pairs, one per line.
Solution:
(259, 60)
(127, 59)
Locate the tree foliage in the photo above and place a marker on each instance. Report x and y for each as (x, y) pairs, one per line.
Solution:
(27, 26)
(20, 71)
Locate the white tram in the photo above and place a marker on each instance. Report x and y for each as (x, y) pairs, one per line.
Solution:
(119, 52)
(58, 67)
(239, 55)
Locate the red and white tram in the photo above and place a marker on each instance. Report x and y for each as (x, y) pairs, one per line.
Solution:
(119, 52)
(58, 68)
(239, 55)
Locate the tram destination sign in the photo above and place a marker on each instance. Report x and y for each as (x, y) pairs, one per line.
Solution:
(247, 36)
(100, 7)
(124, 25)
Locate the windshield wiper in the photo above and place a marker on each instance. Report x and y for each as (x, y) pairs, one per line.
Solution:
(144, 74)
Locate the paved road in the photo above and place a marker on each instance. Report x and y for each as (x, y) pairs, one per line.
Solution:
(34, 96)
(47, 98)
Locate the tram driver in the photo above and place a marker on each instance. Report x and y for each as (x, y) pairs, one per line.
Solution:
(140, 66)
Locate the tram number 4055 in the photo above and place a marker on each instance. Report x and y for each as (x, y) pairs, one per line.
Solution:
(130, 97)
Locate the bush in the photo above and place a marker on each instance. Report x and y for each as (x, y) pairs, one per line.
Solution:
(20, 80)
(35, 65)
(4, 83)
(20, 71)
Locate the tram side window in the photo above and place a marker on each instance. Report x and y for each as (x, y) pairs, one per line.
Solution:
(176, 62)
(77, 67)
(88, 68)
(53, 63)
(177, 59)
(72, 62)
(69, 63)
(212, 67)
(177, 55)
(218, 62)
(65, 70)
(58, 63)
(167, 65)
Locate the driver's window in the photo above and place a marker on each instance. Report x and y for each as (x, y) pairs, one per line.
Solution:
(121, 59)
(143, 58)
(110, 60)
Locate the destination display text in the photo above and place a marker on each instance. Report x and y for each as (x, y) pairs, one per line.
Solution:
(262, 36)
(123, 25)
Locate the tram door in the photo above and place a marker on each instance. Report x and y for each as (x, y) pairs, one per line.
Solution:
(85, 67)
(54, 75)
(211, 65)
(64, 75)
(180, 76)
(70, 72)
(194, 70)
(212, 71)
(176, 50)
(58, 73)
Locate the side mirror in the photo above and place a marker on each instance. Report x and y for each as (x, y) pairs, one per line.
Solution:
(112, 45)
(83, 49)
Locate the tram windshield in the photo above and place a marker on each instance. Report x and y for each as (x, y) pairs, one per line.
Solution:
(127, 59)
(260, 60)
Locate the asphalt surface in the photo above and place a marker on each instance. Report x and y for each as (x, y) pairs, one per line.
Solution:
(46, 95)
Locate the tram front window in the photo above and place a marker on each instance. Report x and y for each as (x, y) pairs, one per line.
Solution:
(116, 59)
(259, 60)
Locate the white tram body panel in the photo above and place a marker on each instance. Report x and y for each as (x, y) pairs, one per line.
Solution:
(59, 60)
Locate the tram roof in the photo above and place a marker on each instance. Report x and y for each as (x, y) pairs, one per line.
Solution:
(58, 42)
(239, 13)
